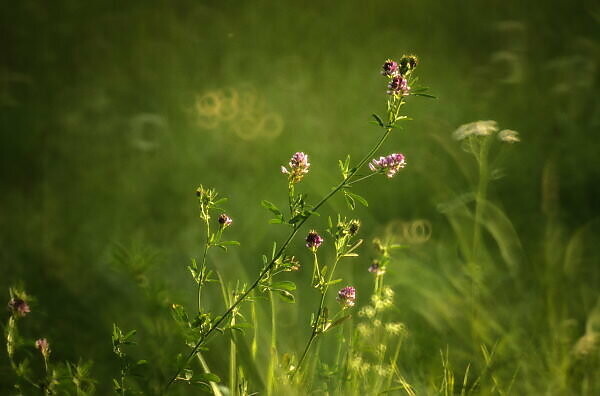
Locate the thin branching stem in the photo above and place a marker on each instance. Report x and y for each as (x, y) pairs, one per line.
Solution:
(273, 347)
(363, 178)
(206, 247)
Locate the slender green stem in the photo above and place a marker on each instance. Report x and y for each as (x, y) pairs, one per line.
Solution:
(313, 335)
(122, 378)
(291, 192)
(279, 253)
(315, 327)
(273, 349)
(201, 359)
(338, 357)
(474, 261)
(394, 362)
(206, 247)
(363, 178)
(255, 323)
(316, 270)
(481, 195)
(232, 362)
(214, 387)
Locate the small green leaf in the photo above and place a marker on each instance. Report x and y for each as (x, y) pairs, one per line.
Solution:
(194, 273)
(283, 285)
(357, 197)
(203, 386)
(378, 119)
(350, 201)
(117, 386)
(333, 282)
(278, 220)
(424, 95)
(129, 334)
(243, 326)
(229, 243)
(286, 296)
(210, 377)
(220, 201)
(271, 206)
(180, 315)
(338, 322)
(356, 245)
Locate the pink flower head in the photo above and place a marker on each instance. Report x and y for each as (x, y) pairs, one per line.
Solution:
(18, 307)
(398, 85)
(313, 240)
(390, 164)
(299, 166)
(347, 296)
(390, 68)
(43, 346)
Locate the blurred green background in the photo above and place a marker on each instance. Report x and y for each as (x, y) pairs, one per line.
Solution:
(112, 113)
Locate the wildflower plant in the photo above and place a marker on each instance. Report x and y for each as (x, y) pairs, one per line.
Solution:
(477, 138)
(342, 238)
(128, 366)
(35, 372)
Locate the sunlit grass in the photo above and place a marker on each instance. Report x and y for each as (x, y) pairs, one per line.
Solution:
(112, 117)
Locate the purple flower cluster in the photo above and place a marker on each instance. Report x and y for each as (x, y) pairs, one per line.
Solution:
(390, 68)
(398, 72)
(313, 240)
(390, 164)
(224, 220)
(299, 166)
(347, 296)
(398, 85)
(18, 307)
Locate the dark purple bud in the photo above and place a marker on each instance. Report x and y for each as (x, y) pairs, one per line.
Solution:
(313, 240)
(225, 220)
(412, 61)
(353, 227)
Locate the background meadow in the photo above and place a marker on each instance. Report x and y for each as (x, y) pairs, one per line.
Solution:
(113, 114)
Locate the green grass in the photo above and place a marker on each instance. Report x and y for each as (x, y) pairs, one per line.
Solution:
(105, 139)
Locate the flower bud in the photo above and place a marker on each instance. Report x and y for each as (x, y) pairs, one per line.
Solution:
(18, 307)
(313, 240)
(43, 346)
(224, 220)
